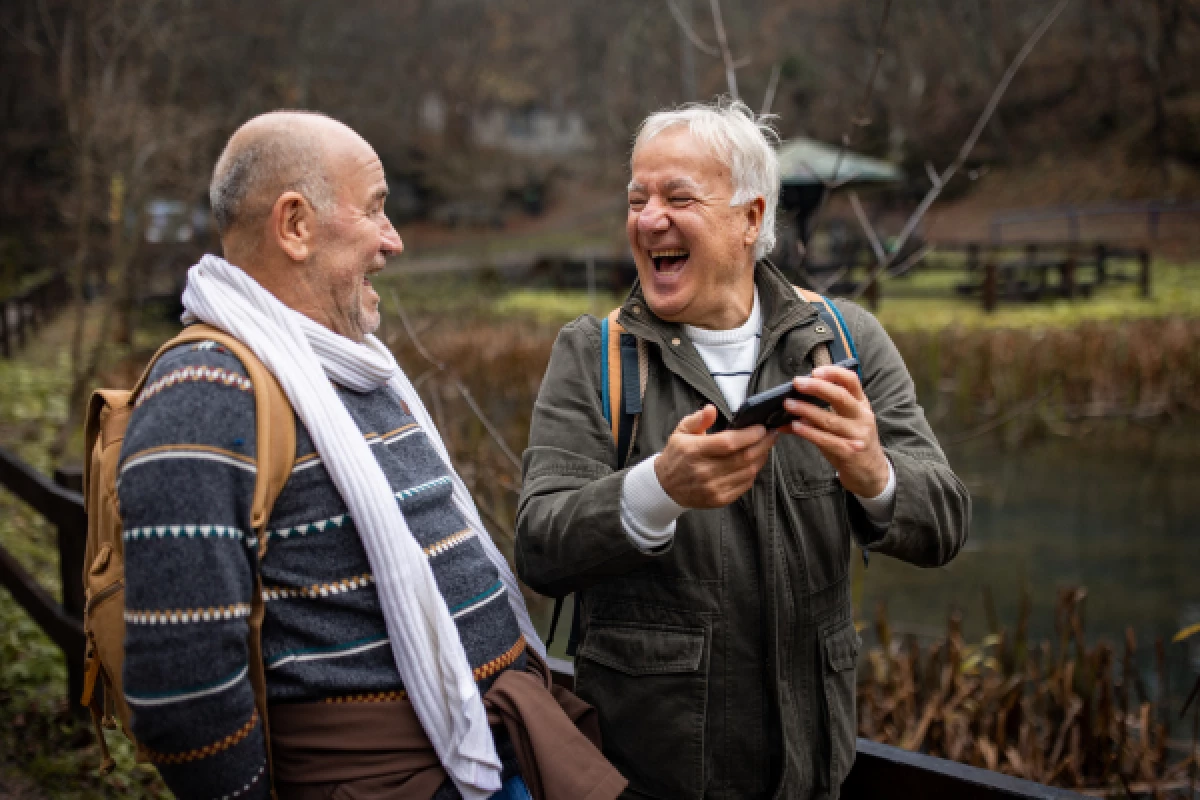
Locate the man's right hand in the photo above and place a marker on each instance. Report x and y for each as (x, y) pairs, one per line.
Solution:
(702, 470)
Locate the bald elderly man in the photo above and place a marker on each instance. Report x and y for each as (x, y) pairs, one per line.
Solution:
(718, 641)
(400, 661)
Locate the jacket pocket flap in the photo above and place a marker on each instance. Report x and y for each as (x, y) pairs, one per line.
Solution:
(841, 648)
(638, 650)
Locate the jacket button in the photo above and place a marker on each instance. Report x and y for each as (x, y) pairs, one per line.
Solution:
(821, 329)
(637, 309)
(675, 341)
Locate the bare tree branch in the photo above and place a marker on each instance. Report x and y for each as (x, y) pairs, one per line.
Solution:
(963, 153)
(772, 86)
(48, 25)
(910, 262)
(859, 119)
(934, 178)
(723, 43)
(462, 389)
(697, 42)
(721, 51)
(822, 288)
(869, 229)
(26, 41)
(981, 124)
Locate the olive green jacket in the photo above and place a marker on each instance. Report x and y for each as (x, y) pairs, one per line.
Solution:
(724, 665)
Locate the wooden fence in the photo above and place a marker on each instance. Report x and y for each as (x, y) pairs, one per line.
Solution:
(1142, 222)
(988, 273)
(62, 505)
(879, 770)
(21, 316)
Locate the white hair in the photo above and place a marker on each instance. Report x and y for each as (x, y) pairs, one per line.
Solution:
(742, 141)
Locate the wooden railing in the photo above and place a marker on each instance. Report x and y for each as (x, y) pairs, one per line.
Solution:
(62, 505)
(879, 770)
(21, 316)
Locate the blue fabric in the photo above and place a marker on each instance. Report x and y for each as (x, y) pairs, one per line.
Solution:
(846, 330)
(605, 403)
(514, 789)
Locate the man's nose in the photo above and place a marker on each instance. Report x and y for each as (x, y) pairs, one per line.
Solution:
(391, 244)
(653, 218)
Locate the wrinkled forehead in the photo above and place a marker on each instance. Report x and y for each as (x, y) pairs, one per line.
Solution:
(354, 165)
(673, 158)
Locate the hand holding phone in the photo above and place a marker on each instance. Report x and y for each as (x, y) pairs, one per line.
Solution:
(766, 408)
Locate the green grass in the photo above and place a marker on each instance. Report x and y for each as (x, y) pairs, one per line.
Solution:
(548, 305)
(1175, 291)
(44, 749)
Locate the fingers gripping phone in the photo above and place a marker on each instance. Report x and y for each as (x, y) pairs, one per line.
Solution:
(766, 408)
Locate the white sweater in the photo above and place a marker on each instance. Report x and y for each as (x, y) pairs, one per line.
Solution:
(648, 513)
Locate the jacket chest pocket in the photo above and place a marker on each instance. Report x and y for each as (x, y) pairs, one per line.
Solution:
(816, 511)
(806, 472)
(649, 684)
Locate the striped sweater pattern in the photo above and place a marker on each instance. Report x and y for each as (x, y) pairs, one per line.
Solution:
(185, 487)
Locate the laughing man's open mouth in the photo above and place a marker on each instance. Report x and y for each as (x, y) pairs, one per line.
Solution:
(669, 261)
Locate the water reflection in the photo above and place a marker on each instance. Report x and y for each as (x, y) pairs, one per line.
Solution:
(1115, 508)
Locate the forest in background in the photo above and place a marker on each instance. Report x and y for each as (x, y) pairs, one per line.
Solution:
(116, 101)
(110, 105)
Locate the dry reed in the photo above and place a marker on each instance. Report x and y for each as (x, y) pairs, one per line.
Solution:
(1058, 714)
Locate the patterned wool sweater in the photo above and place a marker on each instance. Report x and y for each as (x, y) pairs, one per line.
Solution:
(185, 486)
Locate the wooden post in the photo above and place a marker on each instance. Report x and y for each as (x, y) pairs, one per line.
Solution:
(1144, 272)
(1101, 264)
(1068, 274)
(72, 546)
(989, 285)
(36, 318)
(1031, 251)
(5, 347)
(19, 306)
(872, 293)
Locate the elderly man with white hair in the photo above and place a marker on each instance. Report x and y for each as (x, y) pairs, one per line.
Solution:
(711, 562)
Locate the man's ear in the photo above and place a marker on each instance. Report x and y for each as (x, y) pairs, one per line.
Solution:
(755, 210)
(294, 225)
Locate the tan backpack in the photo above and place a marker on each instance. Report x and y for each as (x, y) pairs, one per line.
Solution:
(104, 563)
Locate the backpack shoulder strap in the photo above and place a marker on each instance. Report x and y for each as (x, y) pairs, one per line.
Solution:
(842, 346)
(275, 435)
(623, 375)
(275, 423)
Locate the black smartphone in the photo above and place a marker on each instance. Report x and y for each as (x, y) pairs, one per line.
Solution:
(766, 408)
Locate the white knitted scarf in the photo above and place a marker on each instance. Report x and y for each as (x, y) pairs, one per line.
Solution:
(305, 357)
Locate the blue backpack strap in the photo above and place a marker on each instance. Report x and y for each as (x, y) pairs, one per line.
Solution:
(621, 383)
(605, 403)
(621, 368)
(842, 346)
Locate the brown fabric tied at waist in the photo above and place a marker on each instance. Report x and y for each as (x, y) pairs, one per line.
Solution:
(382, 750)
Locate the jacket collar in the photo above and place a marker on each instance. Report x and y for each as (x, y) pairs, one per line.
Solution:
(782, 310)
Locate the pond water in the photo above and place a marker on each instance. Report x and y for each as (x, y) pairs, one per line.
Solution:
(1114, 509)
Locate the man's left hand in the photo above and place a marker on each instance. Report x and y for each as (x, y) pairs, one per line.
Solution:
(845, 433)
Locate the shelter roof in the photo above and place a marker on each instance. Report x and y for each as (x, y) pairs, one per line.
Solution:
(804, 161)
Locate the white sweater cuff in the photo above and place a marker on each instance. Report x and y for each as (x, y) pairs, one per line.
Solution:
(648, 513)
(879, 509)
